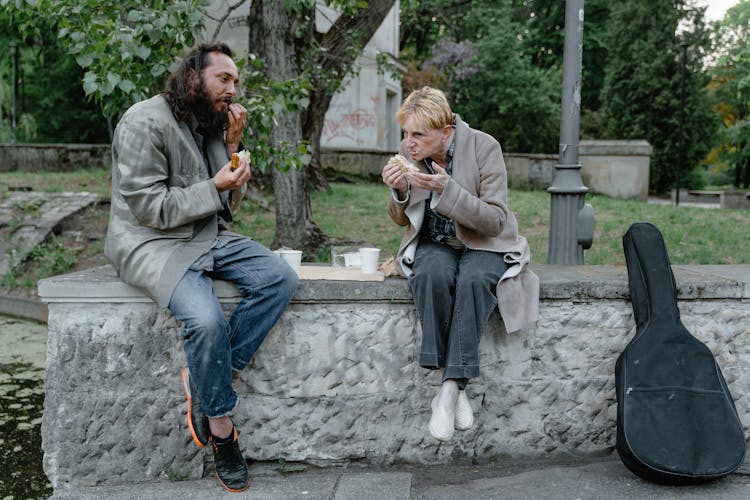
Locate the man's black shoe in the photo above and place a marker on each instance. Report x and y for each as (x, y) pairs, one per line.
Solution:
(231, 468)
(197, 421)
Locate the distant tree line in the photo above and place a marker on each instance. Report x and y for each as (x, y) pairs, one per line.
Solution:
(51, 105)
(501, 64)
(730, 93)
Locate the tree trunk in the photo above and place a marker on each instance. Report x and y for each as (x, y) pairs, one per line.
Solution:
(271, 38)
(737, 170)
(312, 129)
(336, 57)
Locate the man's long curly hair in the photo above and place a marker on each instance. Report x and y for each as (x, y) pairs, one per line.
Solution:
(180, 89)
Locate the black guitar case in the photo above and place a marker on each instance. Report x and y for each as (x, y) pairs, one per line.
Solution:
(676, 420)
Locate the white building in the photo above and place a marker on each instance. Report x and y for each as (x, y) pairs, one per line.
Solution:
(360, 118)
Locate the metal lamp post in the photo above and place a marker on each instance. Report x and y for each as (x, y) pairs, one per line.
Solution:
(681, 163)
(571, 219)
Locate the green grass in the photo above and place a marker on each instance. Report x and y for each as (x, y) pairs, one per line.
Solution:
(355, 213)
(694, 235)
(94, 180)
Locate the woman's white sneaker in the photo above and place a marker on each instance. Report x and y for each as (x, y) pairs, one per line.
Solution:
(442, 422)
(464, 416)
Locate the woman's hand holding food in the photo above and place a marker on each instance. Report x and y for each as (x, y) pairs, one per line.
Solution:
(431, 182)
(394, 176)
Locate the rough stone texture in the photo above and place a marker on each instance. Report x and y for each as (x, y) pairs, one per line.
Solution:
(113, 409)
(337, 378)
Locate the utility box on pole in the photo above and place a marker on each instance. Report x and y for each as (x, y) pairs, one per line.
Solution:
(571, 219)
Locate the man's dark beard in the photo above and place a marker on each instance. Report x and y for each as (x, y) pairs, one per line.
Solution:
(210, 120)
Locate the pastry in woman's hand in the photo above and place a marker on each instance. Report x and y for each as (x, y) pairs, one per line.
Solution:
(405, 165)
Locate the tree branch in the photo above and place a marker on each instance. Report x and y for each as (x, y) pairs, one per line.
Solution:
(220, 21)
(336, 53)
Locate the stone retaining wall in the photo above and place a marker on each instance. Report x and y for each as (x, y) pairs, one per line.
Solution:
(53, 157)
(614, 168)
(337, 379)
(619, 169)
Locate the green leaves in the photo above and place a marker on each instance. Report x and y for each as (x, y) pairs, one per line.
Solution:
(84, 60)
(89, 83)
(642, 89)
(126, 86)
(730, 89)
(491, 81)
(266, 99)
(126, 47)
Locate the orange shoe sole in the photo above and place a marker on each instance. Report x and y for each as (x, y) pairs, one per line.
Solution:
(231, 489)
(186, 388)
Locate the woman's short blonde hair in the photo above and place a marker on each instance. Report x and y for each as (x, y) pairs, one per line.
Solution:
(428, 106)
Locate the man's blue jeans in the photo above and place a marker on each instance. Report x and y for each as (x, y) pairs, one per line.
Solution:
(214, 346)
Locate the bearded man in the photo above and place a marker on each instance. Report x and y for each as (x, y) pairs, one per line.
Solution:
(173, 192)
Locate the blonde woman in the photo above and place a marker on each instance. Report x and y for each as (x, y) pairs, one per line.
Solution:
(461, 251)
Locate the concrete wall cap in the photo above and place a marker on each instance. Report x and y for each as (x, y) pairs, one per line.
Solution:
(54, 145)
(615, 148)
(558, 282)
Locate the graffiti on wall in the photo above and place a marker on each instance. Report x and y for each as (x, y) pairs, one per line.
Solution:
(354, 127)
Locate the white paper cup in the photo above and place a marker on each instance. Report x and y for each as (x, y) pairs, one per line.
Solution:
(369, 260)
(292, 257)
(352, 259)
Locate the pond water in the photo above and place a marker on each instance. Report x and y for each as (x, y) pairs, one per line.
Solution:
(22, 355)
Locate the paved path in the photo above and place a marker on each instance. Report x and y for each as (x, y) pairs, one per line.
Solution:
(664, 201)
(605, 479)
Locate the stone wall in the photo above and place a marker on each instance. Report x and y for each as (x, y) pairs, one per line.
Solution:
(53, 157)
(619, 169)
(736, 198)
(732, 198)
(614, 168)
(337, 379)
(362, 163)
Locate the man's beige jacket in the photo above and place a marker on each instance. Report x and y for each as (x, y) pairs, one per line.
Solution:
(164, 204)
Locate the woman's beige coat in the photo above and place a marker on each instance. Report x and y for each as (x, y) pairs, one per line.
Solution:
(476, 199)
